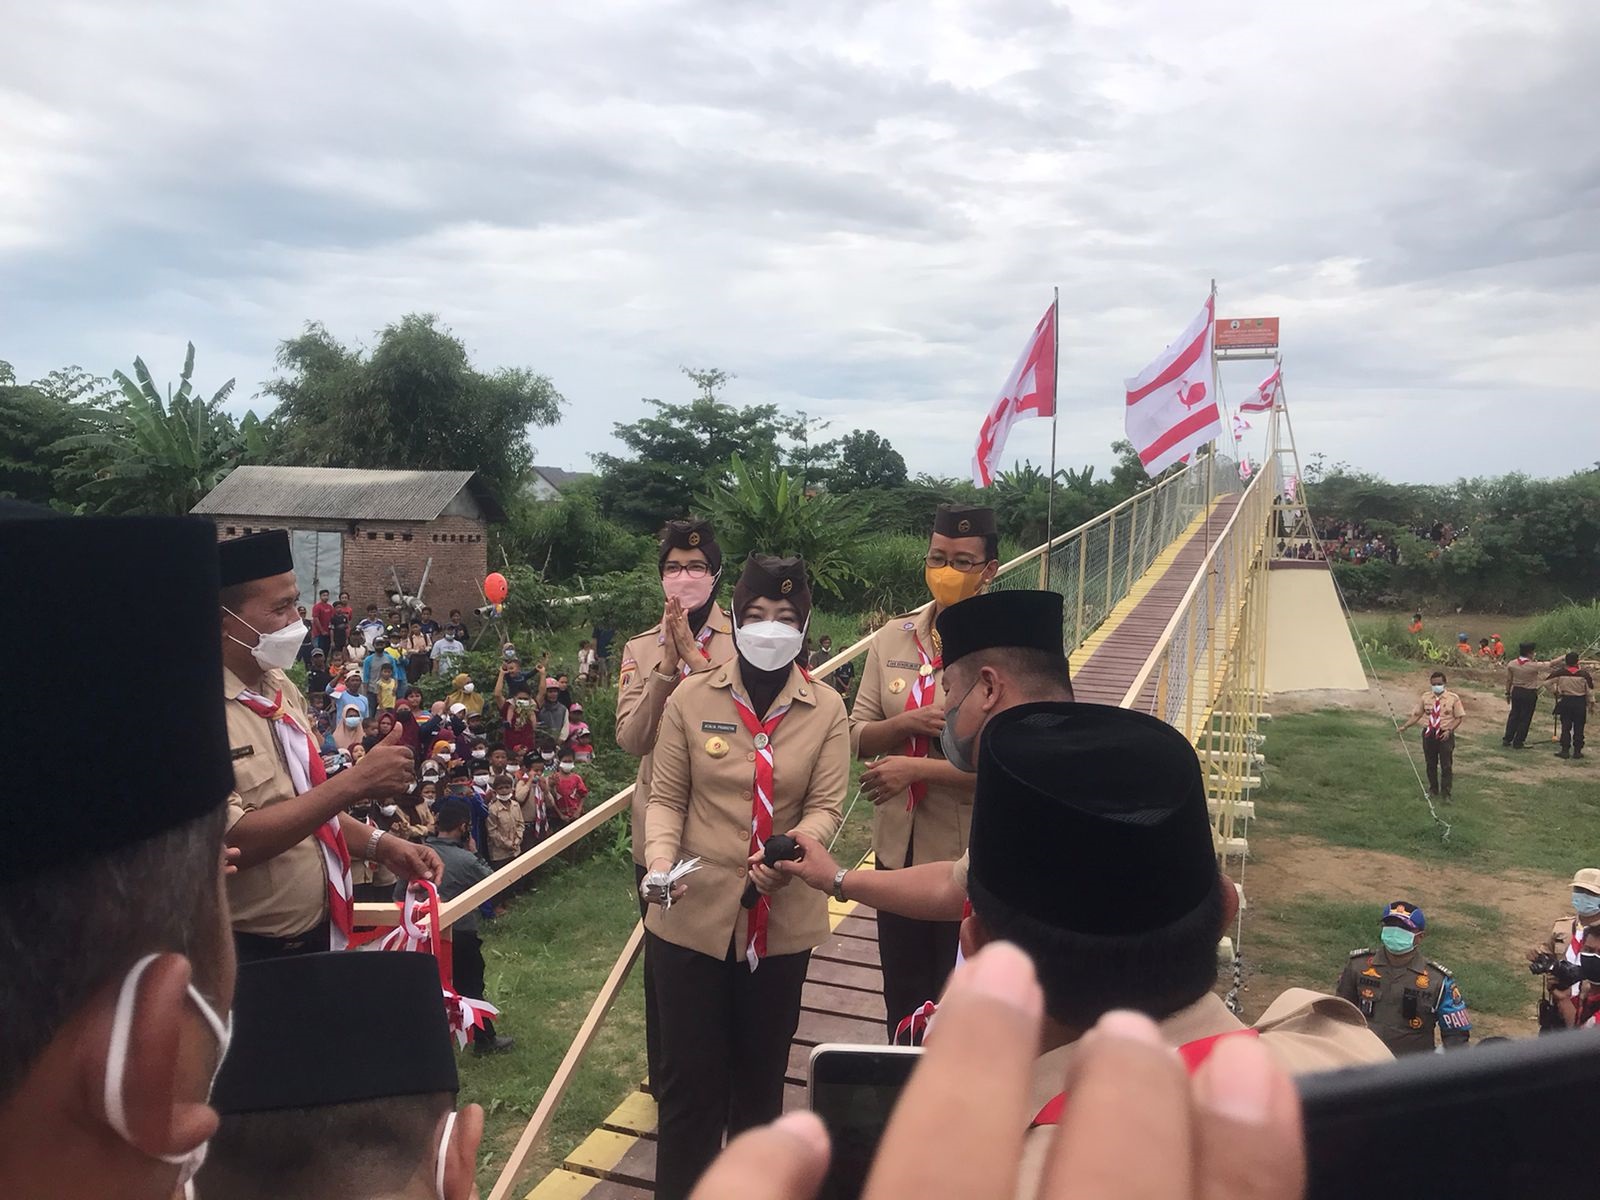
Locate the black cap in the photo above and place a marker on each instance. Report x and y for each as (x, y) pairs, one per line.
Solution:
(691, 534)
(1089, 819)
(963, 521)
(160, 576)
(1027, 620)
(254, 556)
(299, 1040)
(774, 579)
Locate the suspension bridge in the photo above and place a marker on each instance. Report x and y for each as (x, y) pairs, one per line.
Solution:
(1166, 611)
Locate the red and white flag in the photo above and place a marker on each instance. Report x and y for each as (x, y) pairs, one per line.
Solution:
(1266, 394)
(1171, 411)
(1240, 425)
(1030, 391)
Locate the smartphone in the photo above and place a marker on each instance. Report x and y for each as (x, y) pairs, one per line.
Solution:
(1496, 1119)
(854, 1089)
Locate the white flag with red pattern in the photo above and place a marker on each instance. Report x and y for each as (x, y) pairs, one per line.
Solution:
(1266, 394)
(1170, 409)
(1030, 391)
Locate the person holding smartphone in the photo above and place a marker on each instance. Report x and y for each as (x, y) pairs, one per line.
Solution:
(744, 751)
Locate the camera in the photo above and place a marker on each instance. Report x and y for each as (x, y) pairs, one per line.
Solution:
(1565, 974)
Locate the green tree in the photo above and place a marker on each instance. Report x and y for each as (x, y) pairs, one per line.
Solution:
(764, 508)
(569, 538)
(34, 418)
(681, 450)
(141, 454)
(414, 402)
(866, 460)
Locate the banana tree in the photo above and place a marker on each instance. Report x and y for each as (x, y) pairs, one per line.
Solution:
(146, 455)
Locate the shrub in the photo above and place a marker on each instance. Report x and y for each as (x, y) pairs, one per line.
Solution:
(1570, 627)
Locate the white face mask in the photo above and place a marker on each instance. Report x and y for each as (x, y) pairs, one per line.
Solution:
(480, 754)
(469, 688)
(117, 1064)
(769, 645)
(547, 757)
(389, 810)
(504, 797)
(274, 651)
(481, 780)
(566, 766)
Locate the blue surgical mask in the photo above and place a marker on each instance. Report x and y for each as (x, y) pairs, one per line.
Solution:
(1438, 689)
(1397, 940)
(1585, 905)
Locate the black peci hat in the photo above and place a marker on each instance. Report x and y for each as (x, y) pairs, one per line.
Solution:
(692, 534)
(963, 521)
(297, 1040)
(161, 574)
(1025, 620)
(1089, 819)
(254, 556)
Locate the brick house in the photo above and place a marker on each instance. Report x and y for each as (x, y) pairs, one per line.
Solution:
(356, 531)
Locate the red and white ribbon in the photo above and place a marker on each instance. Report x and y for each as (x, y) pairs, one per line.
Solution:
(915, 1028)
(921, 695)
(760, 817)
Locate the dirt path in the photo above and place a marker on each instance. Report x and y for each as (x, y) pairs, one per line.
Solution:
(1293, 867)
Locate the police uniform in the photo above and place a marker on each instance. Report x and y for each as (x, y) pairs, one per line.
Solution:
(1051, 856)
(649, 674)
(1405, 999)
(727, 992)
(905, 668)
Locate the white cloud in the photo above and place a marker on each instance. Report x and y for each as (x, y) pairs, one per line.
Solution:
(859, 210)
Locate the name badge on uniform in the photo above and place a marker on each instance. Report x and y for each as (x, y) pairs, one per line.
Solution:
(242, 752)
(717, 727)
(896, 686)
(902, 665)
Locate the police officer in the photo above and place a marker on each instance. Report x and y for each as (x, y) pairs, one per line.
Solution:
(694, 635)
(1573, 688)
(744, 751)
(1117, 913)
(1558, 1008)
(922, 805)
(293, 893)
(1403, 996)
(1440, 712)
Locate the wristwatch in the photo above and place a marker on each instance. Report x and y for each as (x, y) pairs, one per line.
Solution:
(372, 845)
(838, 883)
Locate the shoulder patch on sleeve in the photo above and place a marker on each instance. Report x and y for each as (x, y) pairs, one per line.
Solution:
(1359, 953)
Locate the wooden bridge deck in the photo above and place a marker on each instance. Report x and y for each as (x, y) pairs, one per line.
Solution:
(843, 998)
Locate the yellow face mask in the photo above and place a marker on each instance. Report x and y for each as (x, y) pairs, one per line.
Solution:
(949, 586)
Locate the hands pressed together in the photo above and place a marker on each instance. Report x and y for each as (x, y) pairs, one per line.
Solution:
(1136, 1127)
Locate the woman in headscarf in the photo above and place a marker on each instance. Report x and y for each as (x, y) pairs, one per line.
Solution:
(744, 751)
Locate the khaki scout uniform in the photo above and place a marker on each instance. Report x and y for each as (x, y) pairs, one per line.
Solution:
(936, 831)
(288, 894)
(1574, 693)
(1405, 1001)
(1304, 1031)
(917, 956)
(645, 683)
(1565, 934)
(1523, 677)
(1438, 754)
(702, 772)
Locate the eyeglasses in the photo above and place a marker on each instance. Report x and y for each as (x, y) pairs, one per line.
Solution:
(694, 570)
(961, 562)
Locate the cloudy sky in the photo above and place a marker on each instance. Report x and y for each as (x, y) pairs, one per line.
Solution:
(859, 209)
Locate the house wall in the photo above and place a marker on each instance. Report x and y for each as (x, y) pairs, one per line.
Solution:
(375, 550)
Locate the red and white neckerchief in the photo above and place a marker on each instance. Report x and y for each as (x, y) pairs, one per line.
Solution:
(920, 696)
(1435, 718)
(760, 817)
(701, 641)
(306, 772)
(1193, 1054)
(915, 1028)
(416, 934)
(541, 810)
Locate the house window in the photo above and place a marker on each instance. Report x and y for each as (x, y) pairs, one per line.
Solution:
(405, 537)
(231, 530)
(388, 537)
(247, 530)
(372, 537)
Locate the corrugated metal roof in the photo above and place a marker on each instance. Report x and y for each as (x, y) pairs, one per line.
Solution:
(334, 493)
(560, 477)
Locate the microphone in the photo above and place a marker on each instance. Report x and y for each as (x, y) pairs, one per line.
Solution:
(780, 847)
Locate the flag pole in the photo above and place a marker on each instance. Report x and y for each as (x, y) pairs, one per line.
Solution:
(1216, 392)
(1055, 408)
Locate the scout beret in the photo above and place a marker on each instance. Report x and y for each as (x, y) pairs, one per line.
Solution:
(773, 578)
(692, 534)
(963, 521)
(296, 1040)
(1089, 819)
(1026, 620)
(254, 556)
(159, 574)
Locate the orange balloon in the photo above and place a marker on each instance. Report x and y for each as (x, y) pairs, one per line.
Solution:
(495, 588)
